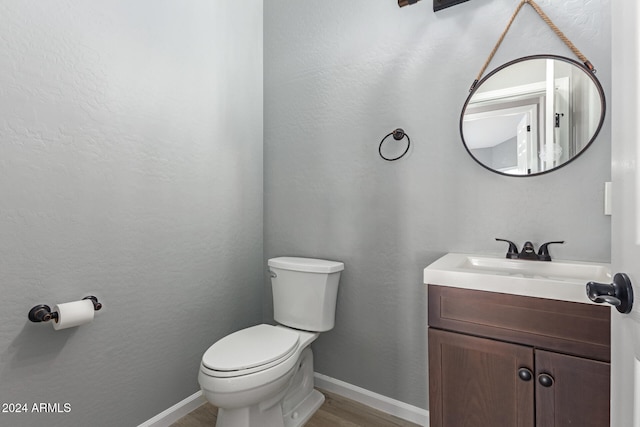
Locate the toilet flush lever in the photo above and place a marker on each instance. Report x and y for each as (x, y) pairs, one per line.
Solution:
(272, 274)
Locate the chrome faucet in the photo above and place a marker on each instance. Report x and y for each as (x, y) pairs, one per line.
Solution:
(528, 251)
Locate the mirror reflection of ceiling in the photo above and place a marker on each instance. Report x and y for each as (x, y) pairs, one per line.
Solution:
(491, 131)
(532, 115)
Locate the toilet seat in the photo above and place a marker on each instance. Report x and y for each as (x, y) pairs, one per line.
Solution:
(250, 350)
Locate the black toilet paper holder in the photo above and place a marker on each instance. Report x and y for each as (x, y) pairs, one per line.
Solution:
(43, 313)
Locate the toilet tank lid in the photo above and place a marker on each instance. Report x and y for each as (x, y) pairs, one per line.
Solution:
(308, 265)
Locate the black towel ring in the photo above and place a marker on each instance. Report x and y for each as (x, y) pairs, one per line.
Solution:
(398, 135)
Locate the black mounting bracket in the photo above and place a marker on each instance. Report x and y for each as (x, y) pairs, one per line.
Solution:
(443, 4)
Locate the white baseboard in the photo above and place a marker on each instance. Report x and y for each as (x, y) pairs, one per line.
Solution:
(382, 403)
(177, 411)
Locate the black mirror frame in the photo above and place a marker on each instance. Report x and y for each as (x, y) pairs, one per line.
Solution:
(591, 75)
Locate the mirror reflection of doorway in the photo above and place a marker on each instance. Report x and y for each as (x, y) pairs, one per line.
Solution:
(505, 136)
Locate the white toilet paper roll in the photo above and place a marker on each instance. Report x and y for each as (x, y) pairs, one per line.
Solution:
(74, 313)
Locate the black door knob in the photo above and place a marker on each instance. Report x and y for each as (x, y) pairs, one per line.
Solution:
(545, 380)
(525, 374)
(619, 293)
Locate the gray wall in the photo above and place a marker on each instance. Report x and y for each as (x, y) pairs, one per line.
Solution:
(341, 75)
(131, 169)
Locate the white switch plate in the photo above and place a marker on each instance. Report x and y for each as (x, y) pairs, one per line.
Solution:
(607, 198)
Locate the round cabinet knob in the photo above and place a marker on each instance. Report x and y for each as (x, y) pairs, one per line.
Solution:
(545, 380)
(525, 374)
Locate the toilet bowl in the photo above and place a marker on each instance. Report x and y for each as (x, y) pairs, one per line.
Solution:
(262, 376)
(268, 371)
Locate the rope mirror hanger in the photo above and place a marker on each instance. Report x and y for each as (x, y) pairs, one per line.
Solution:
(548, 21)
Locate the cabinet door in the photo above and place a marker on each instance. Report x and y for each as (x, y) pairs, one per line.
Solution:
(574, 393)
(474, 382)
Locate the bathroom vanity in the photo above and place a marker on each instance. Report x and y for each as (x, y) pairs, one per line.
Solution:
(499, 358)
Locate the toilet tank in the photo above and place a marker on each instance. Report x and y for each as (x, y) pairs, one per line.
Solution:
(304, 292)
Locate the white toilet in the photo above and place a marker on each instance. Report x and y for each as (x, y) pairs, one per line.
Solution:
(262, 376)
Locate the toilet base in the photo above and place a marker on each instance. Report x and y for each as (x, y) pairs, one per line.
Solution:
(305, 410)
(273, 416)
(248, 417)
(292, 407)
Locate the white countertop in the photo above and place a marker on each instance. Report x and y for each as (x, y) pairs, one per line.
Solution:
(557, 279)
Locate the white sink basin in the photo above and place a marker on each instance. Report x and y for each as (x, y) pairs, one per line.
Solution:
(557, 279)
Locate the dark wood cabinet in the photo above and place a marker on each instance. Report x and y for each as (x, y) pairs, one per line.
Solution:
(474, 382)
(579, 394)
(502, 360)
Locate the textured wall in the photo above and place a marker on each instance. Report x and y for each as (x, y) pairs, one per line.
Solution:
(131, 169)
(341, 75)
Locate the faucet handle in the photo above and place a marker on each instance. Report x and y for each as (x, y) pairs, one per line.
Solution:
(543, 252)
(512, 252)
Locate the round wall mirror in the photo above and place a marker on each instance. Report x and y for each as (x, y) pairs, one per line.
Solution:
(532, 115)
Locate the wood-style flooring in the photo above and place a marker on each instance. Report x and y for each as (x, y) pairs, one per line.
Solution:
(336, 411)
